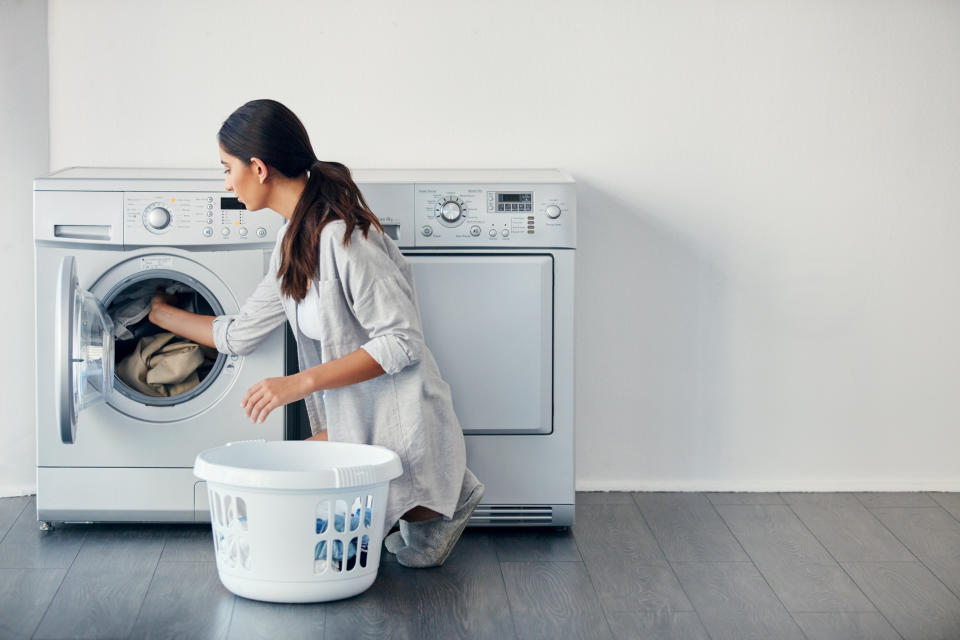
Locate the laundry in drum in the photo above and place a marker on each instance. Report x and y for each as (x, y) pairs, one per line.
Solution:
(150, 360)
(132, 305)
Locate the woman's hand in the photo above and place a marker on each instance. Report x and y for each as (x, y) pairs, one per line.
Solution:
(159, 299)
(267, 395)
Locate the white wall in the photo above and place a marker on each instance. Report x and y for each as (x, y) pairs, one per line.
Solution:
(24, 153)
(767, 276)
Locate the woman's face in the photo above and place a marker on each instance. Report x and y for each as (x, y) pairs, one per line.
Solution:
(243, 179)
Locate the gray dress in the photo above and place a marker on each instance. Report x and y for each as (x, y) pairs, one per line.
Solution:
(364, 298)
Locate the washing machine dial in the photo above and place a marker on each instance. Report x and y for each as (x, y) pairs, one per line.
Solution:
(156, 217)
(450, 211)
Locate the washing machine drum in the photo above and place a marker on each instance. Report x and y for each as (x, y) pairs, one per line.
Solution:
(153, 366)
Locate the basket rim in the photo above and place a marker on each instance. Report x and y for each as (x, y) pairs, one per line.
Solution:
(244, 465)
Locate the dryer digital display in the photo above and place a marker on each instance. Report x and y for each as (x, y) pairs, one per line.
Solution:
(515, 201)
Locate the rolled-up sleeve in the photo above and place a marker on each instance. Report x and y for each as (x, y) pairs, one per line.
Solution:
(384, 302)
(239, 334)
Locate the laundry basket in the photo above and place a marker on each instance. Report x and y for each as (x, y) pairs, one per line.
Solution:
(297, 521)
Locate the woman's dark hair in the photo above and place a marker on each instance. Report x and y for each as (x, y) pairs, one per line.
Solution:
(268, 130)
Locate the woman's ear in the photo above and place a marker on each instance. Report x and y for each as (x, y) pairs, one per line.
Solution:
(260, 168)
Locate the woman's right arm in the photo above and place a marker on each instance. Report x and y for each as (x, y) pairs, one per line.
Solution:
(192, 326)
(237, 334)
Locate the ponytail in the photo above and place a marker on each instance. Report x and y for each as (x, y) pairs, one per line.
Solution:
(330, 194)
(270, 131)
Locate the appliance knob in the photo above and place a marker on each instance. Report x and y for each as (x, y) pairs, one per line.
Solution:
(553, 211)
(156, 217)
(451, 211)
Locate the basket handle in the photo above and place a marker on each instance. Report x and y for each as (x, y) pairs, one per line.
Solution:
(354, 476)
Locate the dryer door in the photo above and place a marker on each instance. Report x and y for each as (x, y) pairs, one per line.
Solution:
(84, 351)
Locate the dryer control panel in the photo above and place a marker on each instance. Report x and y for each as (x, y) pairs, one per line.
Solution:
(477, 214)
(191, 218)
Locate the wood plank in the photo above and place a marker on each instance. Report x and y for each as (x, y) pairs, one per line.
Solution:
(465, 598)
(10, 511)
(845, 626)
(103, 590)
(185, 600)
(656, 626)
(932, 534)
(742, 497)
(25, 595)
(822, 499)
(852, 533)
(27, 547)
(254, 620)
(911, 598)
(603, 497)
(188, 543)
(95, 605)
(554, 600)
(735, 602)
(688, 528)
(518, 544)
(895, 499)
(616, 530)
(623, 584)
(949, 501)
(793, 561)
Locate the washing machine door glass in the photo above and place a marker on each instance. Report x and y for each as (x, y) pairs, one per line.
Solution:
(84, 351)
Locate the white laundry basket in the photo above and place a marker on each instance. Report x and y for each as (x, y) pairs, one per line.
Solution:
(297, 521)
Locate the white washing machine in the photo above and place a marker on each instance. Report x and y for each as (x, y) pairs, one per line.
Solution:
(106, 451)
(493, 253)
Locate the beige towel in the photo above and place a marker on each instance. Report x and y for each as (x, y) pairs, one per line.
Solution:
(161, 366)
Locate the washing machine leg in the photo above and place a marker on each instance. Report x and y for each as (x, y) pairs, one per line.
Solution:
(46, 526)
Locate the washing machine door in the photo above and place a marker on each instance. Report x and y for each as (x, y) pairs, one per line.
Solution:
(83, 348)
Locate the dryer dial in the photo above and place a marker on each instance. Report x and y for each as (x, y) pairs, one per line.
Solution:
(451, 211)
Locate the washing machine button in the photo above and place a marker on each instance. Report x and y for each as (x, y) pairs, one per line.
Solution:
(207, 231)
(225, 231)
(493, 233)
(475, 231)
(505, 233)
(427, 231)
(553, 211)
(242, 231)
(261, 232)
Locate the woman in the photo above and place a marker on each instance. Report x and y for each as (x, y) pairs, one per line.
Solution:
(365, 373)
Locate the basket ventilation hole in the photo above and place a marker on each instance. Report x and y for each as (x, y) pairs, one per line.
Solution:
(340, 517)
(323, 516)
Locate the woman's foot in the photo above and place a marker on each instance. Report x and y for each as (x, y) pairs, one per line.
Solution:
(428, 543)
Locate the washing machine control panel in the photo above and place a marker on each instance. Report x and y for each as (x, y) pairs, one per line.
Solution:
(501, 215)
(194, 218)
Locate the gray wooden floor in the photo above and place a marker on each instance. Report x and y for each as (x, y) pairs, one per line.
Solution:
(686, 566)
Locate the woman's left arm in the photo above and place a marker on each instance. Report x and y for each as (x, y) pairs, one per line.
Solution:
(269, 394)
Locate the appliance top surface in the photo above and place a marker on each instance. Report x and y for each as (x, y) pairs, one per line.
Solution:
(84, 176)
